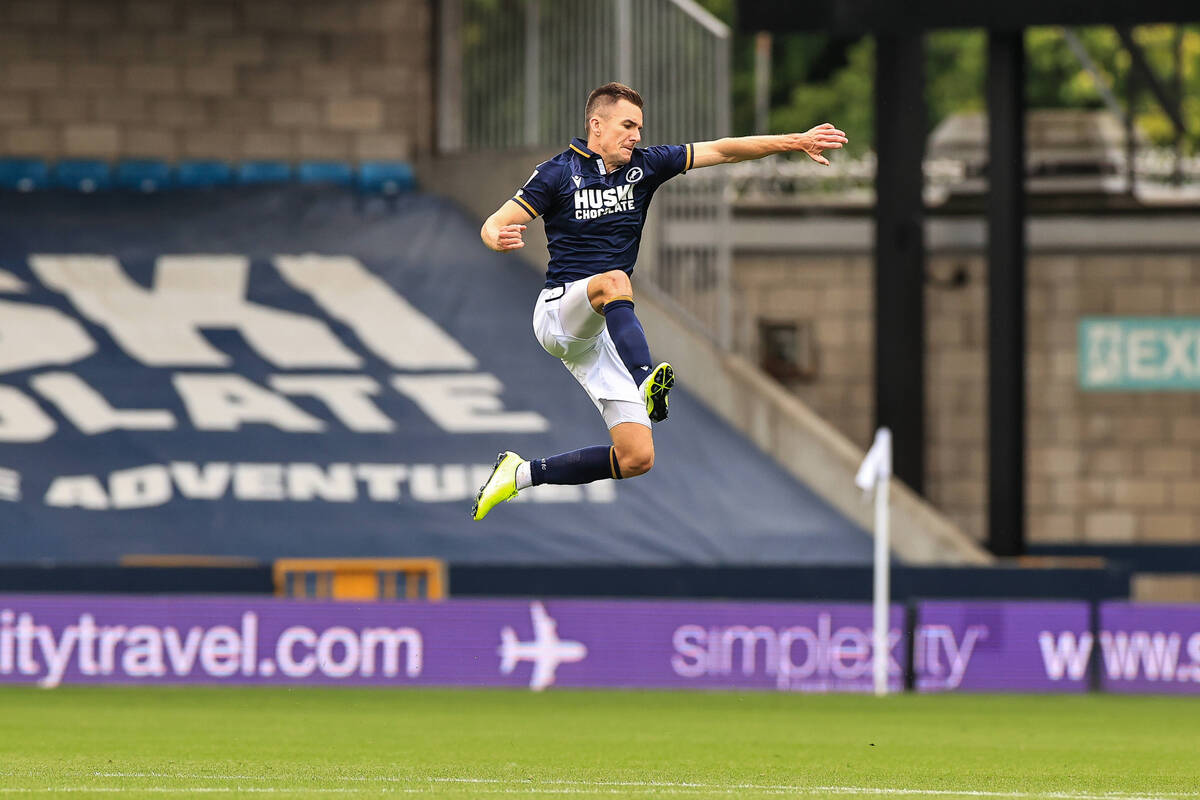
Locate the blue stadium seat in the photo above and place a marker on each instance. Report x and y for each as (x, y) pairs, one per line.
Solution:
(264, 172)
(338, 172)
(24, 174)
(203, 174)
(143, 174)
(386, 177)
(83, 174)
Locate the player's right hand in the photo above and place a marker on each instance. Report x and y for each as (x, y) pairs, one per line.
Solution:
(509, 237)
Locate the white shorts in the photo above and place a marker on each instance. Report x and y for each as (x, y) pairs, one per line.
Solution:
(569, 329)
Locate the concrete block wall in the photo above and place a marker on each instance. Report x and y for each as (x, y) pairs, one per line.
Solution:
(1113, 467)
(230, 79)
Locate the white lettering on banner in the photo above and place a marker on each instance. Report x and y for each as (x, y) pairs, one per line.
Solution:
(310, 481)
(384, 321)
(139, 487)
(21, 419)
(383, 480)
(348, 397)
(143, 655)
(829, 656)
(201, 482)
(34, 336)
(932, 642)
(77, 491)
(467, 403)
(161, 326)
(221, 651)
(156, 484)
(90, 412)
(192, 294)
(258, 482)
(225, 402)
(1065, 655)
(11, 284)
(10, 485)
(1125, 655)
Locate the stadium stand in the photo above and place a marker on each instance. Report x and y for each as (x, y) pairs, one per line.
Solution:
(143, 175)
(83, 174)
(386, 177)
(204, 173)
(24, 174)
(333, 172)
(249, 172)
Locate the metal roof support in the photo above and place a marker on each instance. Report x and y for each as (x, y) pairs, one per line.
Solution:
(900, 123)
(1170, 105)
(1006, 292)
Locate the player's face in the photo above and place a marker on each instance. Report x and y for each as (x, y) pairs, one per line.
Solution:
(616, 130)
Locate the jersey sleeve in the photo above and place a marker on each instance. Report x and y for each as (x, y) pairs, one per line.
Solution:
(665, 161)
(540, 193)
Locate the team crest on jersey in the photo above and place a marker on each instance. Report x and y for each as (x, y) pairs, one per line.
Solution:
(634, 175)
(593, 203)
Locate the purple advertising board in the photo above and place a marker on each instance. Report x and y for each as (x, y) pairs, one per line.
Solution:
(1150, 648)
(56, 639)
(1001, 646)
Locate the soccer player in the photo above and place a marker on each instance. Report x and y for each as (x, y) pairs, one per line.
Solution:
(593, 197)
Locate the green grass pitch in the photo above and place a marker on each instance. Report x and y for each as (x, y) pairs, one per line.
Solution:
(306, 742)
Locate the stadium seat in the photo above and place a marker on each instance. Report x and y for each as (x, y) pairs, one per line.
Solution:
(23, 174)
(143, 175)
(337, 172)
(203, 174)
(386, 177)
(264, 172)
(83, 174)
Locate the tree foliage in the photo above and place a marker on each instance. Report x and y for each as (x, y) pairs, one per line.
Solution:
(817, 78)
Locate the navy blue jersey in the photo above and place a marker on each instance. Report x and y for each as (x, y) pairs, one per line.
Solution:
(594, 220)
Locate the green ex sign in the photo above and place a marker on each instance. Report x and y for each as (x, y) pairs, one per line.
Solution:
(1139, 353)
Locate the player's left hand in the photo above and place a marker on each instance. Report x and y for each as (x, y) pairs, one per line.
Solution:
(509, 237)
(817, 140)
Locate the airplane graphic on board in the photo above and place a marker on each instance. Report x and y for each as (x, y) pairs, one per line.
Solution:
(546, 651)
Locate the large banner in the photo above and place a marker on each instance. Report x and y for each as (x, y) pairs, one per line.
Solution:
(52, 640)
(1150, 648)
(1002, 646)
(270, 372)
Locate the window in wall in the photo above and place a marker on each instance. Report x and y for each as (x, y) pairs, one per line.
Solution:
(787, 349)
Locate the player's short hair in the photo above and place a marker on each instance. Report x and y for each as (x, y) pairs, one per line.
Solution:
(608, 94)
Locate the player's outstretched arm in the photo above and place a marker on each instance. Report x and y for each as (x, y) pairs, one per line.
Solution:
(503, 230)
(746, 148)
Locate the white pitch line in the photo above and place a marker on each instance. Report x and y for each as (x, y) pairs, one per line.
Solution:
(568, 786)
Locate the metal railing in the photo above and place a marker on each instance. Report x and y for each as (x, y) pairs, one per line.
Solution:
(516, 74)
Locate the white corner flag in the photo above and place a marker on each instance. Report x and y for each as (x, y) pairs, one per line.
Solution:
(875, 473)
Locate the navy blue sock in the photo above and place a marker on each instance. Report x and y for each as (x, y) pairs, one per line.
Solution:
(627, 334)
(578, 466)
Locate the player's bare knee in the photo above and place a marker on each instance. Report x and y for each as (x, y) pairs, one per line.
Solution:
(619, 283)
(636, 461)
(608, 286)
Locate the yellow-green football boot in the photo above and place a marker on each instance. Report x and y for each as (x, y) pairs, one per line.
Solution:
(655, 388)
(501, 485)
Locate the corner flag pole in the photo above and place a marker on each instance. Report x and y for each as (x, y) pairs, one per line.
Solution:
(875, 473)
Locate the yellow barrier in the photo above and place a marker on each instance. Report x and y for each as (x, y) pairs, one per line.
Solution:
(361, 578)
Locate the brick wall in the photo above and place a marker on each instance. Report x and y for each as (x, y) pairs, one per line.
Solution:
(1101, 467)
(233, 79)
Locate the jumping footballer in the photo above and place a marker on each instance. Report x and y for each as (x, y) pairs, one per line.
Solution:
(593, 197)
